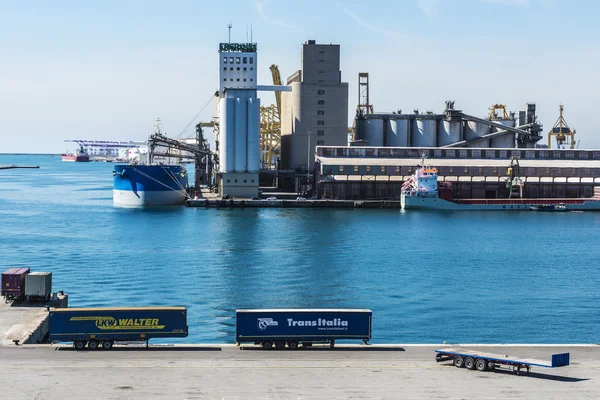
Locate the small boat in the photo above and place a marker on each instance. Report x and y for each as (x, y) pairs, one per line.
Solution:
(550, 207)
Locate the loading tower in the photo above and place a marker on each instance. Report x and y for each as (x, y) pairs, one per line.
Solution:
(563, 133)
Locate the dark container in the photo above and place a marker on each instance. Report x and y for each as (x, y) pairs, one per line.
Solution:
(13, 282)
(117, 324)
(303, 324)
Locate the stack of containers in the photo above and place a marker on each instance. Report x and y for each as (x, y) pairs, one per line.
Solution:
(13, 283)
(38, 285)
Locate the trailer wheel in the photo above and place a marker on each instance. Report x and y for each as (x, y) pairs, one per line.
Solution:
(79, 344)
(267, 344)
(470, 363)
(293, 344)
(280, 344)
(459, 362)
(481, 364)
(107, 345)
(93, 344)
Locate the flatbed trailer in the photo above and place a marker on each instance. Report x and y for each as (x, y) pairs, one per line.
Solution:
(484, 361)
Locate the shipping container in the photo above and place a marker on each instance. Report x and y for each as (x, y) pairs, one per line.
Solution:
(38, 285)
(294, 327)
(13, 283)
(95, 327)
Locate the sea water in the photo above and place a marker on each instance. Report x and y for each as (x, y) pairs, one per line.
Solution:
(429, 277)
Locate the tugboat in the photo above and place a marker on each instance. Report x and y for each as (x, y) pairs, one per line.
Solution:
(150, 183)
(80, 155)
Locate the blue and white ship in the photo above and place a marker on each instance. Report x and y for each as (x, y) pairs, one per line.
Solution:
(151, 183)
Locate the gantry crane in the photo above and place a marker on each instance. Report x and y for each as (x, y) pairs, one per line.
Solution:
(493, 116)
(270, 125)
(562, 132)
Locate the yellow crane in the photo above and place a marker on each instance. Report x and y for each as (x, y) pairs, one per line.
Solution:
(270, 125)
(493, 116)
(562, 132)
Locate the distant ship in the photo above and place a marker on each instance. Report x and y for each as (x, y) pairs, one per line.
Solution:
(422, 191)
(80, 155)
(150, 184)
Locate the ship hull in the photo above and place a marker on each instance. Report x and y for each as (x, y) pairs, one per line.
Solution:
(435, 203)
(74, 158)
(149, 185)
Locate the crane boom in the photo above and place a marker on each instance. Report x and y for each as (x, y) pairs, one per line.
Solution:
(277, 81)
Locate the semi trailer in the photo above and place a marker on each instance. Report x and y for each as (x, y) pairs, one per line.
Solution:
(279, 328)
(486, 361)
(102, 327)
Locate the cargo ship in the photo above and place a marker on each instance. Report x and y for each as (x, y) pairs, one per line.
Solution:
(80, 155)
(423, 191)
(139, 185)
(151, 183)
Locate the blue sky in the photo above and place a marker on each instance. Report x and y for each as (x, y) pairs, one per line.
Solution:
(108, 69)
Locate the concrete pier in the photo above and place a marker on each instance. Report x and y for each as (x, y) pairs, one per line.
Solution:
(345, 372)
(26, 323)
(247, 203)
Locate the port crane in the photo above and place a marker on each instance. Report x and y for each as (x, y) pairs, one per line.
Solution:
(562, 132)
(514, 183)
(270, 124)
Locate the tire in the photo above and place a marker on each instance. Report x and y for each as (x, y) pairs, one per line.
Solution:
(470, 363)
(293, 344)
(481, 364)
(107, 345)
(267, 344)
(79, 344)
(459, 362)
(280, 344)
(93, 344)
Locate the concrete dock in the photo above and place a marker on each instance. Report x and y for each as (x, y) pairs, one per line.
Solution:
(22, 324)
(346, 372)
(248, 203)
(26, 323)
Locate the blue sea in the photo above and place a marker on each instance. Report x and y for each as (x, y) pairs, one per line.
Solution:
(429, 277)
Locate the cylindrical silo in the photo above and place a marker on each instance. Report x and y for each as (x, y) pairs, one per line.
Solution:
(241, 134)
(373, 132)
(253, 135)
(397, 133)
(449, 132)
(475, 130)
(424, 133)
(227, 135)
(504, 141)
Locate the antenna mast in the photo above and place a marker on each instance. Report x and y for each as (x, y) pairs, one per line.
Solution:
(229, 26)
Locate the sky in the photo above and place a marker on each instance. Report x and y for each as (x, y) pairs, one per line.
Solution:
(105, 70)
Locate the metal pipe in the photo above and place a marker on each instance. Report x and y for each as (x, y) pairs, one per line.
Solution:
(488, 136)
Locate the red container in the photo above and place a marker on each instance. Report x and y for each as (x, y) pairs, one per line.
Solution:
(13, 282)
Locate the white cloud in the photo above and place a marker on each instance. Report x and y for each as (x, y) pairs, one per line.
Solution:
(260, 8)
(373, 28)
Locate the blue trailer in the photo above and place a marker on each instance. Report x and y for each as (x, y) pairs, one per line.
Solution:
(484, 361)
(95, 327)
(293, 327)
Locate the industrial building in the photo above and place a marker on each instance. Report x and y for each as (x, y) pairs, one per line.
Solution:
(453, 128)
(377, 172)
(239, 121)
(315, 112)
